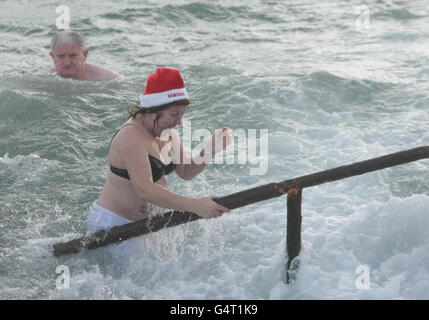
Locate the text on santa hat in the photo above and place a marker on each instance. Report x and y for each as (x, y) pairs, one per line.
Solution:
(178, 94)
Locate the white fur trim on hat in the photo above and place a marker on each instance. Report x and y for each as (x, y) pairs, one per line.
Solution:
(161, 98)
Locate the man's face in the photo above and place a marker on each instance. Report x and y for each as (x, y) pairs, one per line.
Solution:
(68, 59)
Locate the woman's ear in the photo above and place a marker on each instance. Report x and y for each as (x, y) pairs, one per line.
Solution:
(153, 115)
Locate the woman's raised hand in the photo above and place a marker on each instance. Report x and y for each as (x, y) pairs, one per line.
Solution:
(221, 139)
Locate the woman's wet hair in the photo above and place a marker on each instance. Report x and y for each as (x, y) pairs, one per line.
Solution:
(137, 109)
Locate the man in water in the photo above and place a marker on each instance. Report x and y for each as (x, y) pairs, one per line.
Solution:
(69, 54)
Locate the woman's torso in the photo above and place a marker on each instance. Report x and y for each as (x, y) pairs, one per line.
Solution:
(118, 194)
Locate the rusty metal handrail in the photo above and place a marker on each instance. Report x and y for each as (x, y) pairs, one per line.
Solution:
(292, 187)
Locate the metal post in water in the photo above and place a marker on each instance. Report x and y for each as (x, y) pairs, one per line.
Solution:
(293, 237)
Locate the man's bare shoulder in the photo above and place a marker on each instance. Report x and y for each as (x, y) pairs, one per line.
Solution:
(95, 72)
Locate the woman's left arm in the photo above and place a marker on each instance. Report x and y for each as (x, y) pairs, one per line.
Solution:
(186, 167)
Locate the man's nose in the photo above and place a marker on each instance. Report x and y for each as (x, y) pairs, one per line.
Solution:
(67, 61)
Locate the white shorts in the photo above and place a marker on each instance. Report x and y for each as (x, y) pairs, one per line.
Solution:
(102, 219)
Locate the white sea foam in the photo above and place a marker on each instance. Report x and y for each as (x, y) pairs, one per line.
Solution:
(328, 94)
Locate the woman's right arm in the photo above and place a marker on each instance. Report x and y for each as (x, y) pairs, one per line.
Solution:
(134, 154)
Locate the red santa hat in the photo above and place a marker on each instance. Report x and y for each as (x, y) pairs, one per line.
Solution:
(163, 87)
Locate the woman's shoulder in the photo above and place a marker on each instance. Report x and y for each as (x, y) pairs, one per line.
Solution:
(132, 133)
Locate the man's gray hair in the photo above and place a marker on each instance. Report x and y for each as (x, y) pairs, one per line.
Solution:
(68, 37)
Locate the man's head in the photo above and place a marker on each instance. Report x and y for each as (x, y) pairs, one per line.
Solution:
(68, 53)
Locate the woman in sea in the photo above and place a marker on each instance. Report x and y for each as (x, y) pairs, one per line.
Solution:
(145, 149)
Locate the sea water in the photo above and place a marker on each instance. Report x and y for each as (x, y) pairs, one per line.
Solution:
(327, 83)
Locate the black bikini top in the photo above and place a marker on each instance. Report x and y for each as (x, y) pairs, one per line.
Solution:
(159, 169)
